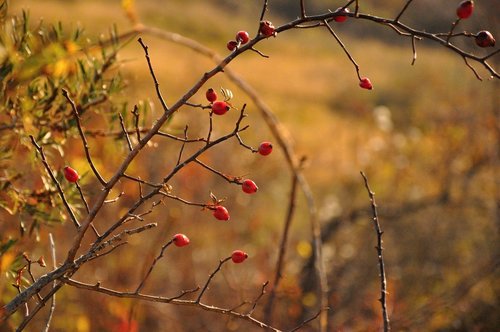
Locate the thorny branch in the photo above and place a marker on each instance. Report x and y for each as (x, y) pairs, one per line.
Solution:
(383, 281)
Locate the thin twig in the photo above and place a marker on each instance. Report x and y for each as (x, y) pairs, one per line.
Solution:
(414, 49)
(356, 66)
(210, 277)
(307, 321)
(125, 133)
(58, 186)
(402, 10)
(383, 282)
(83, 137)
(282, 248)
(151, 267)
(135, 112)
(182, 146)
(153, 75)
(54, 284)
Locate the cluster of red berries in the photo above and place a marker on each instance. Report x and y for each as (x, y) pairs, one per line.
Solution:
(242, 37)
(219, 107)
(482, 38)
(181, 240)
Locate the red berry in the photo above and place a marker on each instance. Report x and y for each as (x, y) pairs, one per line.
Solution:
(365, 83)
(265, 148)
(221, 213)
(231, 45)
(267, 29)
(485, 39)
(465, 8)
(220, 107)
(239, 256)
(70, 174)
(211, 95)
(181, 240)
(249, 187)
(341, 18)
(242, 37)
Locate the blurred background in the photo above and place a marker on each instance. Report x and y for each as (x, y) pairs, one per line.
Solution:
(427, 138)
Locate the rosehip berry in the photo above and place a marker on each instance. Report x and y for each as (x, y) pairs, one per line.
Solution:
(249, 187)
(239, 256)
(267, 29)
(211, 95)
(70, 174)
(221, 213)
(231, 45)
(265, 148)
(242, 37)
(465, 8)
(365, 83)
(341, 18)
(485, 39)
(181, 240)
(220, 107)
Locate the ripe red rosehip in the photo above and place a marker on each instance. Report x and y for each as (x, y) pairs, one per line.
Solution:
(220, 107)
(221, 213)
(265, 148)
(267, 29)
(231, 45)
(181, 240)
(341, 18)
(249, 187)
(485, 39)
(365, 83)
(70, 174)
(211, 95)
(465, 8)
(239, 256)
(242, 37)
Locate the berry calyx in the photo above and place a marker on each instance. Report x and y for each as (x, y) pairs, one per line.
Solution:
(249, 187)
(70, 174)
(365, 83)
(181, 240)
(267, 29)
(265, 148)
(465, 8)
(232, 45)
(485, 39)
(211, 95)
(221, 213)
(220, 107)
(341, 18)
(242, 37)
(239, 256)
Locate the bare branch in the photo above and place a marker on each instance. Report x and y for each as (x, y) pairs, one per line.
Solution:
(383, 282)
(83, 137)
(58, 186)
